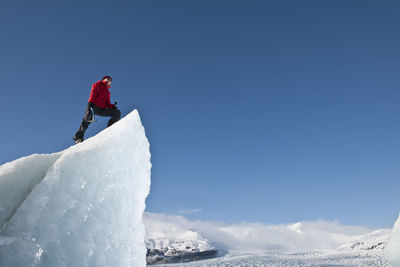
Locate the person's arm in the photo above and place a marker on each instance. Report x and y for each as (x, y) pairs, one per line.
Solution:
(108, 104)
(94, 93)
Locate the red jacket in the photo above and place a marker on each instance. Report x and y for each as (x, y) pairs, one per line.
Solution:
(100, 95)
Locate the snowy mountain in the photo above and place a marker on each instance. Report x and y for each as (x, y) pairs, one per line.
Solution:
(169, 241)
(79, 207)
(308, 235)
(177, 239)
(376, 240)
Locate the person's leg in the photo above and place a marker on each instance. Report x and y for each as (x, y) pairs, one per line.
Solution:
(115, 114)
(84, 124)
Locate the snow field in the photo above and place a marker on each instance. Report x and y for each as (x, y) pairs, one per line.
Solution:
(278, 259)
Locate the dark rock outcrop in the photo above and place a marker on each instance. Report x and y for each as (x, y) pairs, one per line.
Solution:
(156, 256)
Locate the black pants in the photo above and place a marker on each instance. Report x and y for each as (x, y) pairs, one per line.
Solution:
(115, 115)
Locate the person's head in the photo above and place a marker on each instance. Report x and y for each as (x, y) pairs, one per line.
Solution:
(107, 79)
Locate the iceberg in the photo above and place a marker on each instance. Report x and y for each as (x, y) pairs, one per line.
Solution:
(79, 207)
(392, 249)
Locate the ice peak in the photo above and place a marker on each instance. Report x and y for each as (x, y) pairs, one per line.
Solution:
(82, 206)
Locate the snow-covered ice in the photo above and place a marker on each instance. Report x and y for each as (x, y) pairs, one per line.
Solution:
(392, 249)
(17, 180)
(79, 207)
(304, 259)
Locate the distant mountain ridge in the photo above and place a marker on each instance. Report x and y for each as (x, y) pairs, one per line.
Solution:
(172, 239)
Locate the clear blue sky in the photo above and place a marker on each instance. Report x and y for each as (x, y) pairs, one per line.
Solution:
(259, 111)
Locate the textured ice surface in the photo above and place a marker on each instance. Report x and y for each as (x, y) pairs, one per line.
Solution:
(314, 259)
(17, 180)
(392, 249)
(79, 207)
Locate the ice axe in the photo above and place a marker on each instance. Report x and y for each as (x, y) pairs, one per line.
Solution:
(93, 117)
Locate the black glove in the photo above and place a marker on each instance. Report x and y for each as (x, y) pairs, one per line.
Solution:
(90, 104)
(115, 105)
